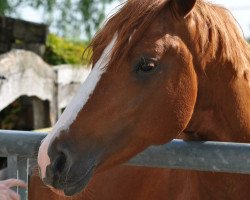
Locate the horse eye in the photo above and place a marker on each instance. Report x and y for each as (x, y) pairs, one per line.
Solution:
(146, 66)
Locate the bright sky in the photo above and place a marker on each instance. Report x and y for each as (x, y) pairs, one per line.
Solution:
(239, 8)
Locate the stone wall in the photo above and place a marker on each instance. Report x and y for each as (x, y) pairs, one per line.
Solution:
(25, 74)
(69, 79)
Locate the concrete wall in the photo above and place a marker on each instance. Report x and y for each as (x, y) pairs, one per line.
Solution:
(25, 74)
(69, 79)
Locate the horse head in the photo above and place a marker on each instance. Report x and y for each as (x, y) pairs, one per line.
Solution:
(141, 91)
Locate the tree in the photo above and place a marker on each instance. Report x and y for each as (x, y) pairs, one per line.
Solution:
(61, 51)
(68, 18)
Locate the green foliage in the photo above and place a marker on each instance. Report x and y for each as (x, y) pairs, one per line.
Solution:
(62, 51)
(92, 12)
(3, 6)
(7, 7)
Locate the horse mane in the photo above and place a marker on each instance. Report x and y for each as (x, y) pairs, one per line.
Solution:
(219, 36)
(133, 15)
(216, 29)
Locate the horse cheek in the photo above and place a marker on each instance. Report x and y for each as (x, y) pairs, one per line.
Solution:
(183, 94)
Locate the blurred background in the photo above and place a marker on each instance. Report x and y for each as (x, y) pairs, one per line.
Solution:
(41, 46)
(79, 19)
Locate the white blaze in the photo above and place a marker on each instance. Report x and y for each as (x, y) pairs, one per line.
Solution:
(75, 106)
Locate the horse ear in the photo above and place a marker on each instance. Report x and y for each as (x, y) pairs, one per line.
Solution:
(182, 8)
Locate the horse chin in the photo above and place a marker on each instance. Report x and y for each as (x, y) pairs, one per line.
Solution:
(79, 185)
(73, 190)
(61, 193)
(70, 191)
(58, 192)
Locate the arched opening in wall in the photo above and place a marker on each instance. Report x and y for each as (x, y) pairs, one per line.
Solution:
(41, 113)
(18, 115)
(25, 113)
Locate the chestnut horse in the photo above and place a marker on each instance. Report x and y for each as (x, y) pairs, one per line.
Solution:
(162, 69)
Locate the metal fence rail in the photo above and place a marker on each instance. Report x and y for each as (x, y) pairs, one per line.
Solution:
(21, 148)
(202, 156)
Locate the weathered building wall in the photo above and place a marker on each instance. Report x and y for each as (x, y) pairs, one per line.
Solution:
(26, 74)
(69, 79)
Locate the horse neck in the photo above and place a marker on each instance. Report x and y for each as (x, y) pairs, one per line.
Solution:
(222, 110)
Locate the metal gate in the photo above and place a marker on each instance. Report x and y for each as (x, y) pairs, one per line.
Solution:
(21, 149)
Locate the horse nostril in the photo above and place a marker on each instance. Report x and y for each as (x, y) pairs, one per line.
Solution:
(55, 172)
(60, 163)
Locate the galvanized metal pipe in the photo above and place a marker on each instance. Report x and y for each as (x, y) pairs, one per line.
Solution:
(193, 155)
(204, 156)
(22, 143)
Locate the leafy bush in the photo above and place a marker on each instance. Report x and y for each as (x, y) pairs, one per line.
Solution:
(63, 51)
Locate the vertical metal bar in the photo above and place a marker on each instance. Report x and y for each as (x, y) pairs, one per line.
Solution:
(32, 163)
(23, 175)
(30, 169)
(12, 168)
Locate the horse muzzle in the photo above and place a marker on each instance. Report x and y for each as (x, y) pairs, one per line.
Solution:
(70, 170)
(68, 184)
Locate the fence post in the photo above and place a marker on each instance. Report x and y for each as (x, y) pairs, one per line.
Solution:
(22, 164)
(12, 167)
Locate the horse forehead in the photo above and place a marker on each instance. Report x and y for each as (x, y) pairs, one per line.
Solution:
(157, 45)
